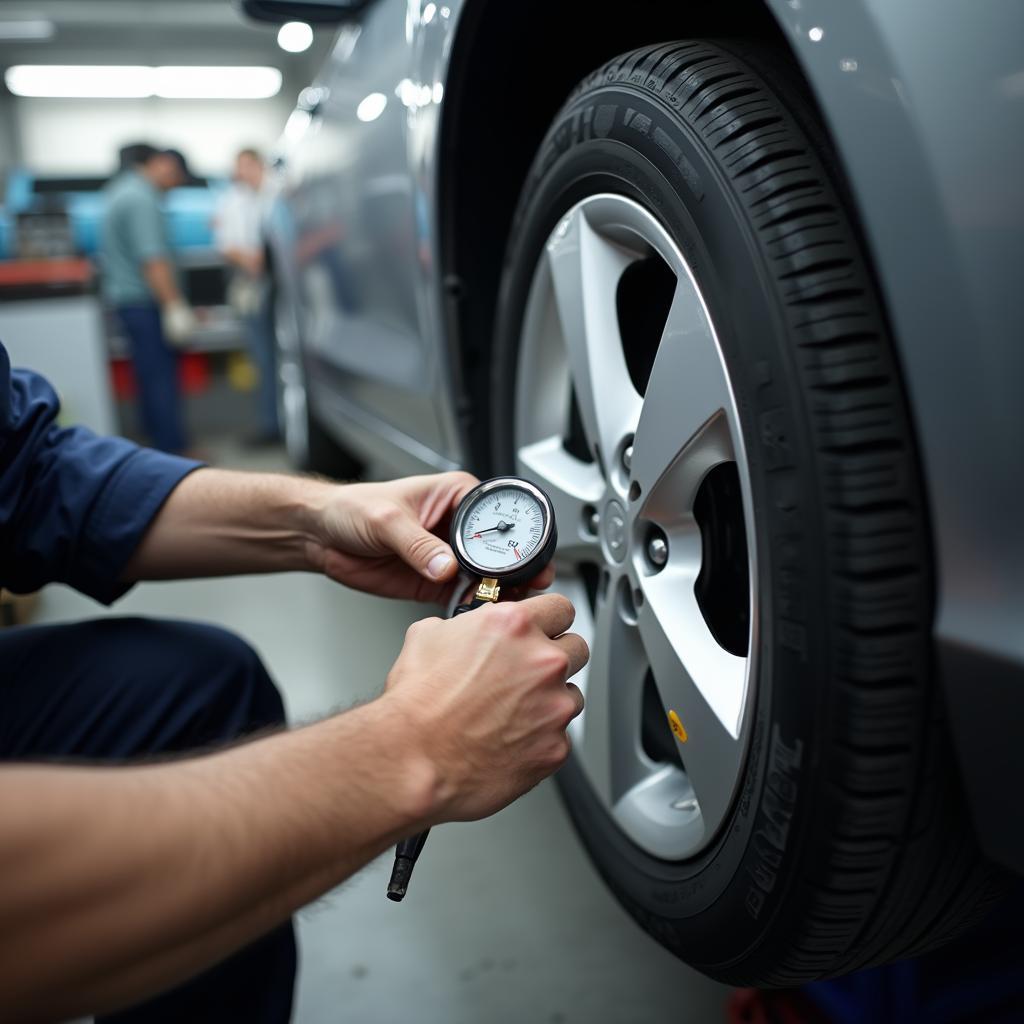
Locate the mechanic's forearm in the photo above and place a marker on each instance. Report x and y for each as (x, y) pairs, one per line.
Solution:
(120, 882)
(217, 522)
(161, 280)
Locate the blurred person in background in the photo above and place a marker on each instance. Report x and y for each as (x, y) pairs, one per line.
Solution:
(141, 284)
(239, 236)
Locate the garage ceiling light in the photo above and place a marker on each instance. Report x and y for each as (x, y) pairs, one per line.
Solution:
(217, 83)
(92, 81)
(95, 81)
(295, 36)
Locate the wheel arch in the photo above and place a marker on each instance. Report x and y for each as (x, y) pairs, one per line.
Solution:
(525, 67)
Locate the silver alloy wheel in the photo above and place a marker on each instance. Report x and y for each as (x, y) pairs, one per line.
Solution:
(292, 408)
(631, 512)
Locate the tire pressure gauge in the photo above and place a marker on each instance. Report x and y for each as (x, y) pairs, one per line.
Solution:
(503, 532)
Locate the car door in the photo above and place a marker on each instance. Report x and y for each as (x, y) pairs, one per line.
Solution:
(363, 246)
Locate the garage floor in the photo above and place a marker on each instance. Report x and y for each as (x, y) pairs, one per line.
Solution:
(537, 941)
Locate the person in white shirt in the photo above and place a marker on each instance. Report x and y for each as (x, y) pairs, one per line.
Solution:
(239, 237)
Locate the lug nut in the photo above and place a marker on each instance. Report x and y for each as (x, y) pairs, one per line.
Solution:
(592, 520)
(657, 551)
(627, 457)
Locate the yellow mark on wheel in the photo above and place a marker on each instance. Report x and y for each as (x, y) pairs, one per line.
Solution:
(676, 726)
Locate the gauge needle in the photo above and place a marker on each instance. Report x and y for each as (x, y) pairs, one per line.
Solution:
(502, 527)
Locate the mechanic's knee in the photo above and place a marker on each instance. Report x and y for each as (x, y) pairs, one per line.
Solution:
(209, 682)
(235, 682)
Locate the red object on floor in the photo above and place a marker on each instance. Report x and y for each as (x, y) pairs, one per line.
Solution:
(763, 1006)
(122, 379)
(194, 372)
(193, 375)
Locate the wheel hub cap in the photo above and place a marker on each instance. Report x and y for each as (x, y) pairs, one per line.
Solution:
(615, 535)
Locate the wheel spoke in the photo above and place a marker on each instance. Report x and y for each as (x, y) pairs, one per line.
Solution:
(669, 500)
(609, 745)
(699, 680)
(571, 484)
(585, 270)
(684, 428)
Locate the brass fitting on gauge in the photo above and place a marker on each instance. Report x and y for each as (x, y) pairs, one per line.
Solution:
(488, 590)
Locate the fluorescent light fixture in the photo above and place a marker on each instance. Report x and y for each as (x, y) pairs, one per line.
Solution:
(217, 83)
(295, 36)
(27, 29)
(96, 81)
(371, 106)
(92, 81)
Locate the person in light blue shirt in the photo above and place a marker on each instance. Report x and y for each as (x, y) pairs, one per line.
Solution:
(140, 283)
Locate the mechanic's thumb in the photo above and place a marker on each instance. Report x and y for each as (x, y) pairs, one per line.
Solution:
(427, 554)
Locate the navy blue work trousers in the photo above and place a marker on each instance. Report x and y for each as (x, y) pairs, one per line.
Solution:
(128, 688)
(156, 375)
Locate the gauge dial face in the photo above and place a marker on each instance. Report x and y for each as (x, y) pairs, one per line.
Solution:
(503, 528)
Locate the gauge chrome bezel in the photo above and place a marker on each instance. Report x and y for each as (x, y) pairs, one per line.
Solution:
(535, 561)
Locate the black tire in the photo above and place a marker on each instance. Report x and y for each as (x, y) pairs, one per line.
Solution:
(849, 844)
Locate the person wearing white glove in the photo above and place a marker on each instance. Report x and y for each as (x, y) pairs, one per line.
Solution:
(179, 322)
(140, 283)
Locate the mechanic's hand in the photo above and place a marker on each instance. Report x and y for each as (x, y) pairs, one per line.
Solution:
(390, 539)
(484, 699)
(179, 322)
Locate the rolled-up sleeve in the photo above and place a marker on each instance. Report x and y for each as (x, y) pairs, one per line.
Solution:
(73, 506)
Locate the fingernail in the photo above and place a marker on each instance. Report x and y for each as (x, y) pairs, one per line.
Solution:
(438, 565)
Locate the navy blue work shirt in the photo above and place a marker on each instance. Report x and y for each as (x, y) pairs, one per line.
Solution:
(73, 506)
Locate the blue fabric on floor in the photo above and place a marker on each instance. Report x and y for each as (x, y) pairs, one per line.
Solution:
(977, 979)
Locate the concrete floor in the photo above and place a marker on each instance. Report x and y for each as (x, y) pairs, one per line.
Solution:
(506, 922)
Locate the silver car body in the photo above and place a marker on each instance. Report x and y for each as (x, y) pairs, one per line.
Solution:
(924, 101)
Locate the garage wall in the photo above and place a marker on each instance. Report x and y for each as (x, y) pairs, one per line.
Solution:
(82, 136)
(8, 134)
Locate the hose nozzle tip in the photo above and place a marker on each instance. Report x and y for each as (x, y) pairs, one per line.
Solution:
(400, 875)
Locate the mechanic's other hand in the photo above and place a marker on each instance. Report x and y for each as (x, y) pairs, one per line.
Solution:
(483, 701)
(390, 539)
(179, 322)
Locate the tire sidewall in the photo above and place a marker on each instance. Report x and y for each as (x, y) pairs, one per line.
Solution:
(715, 908)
